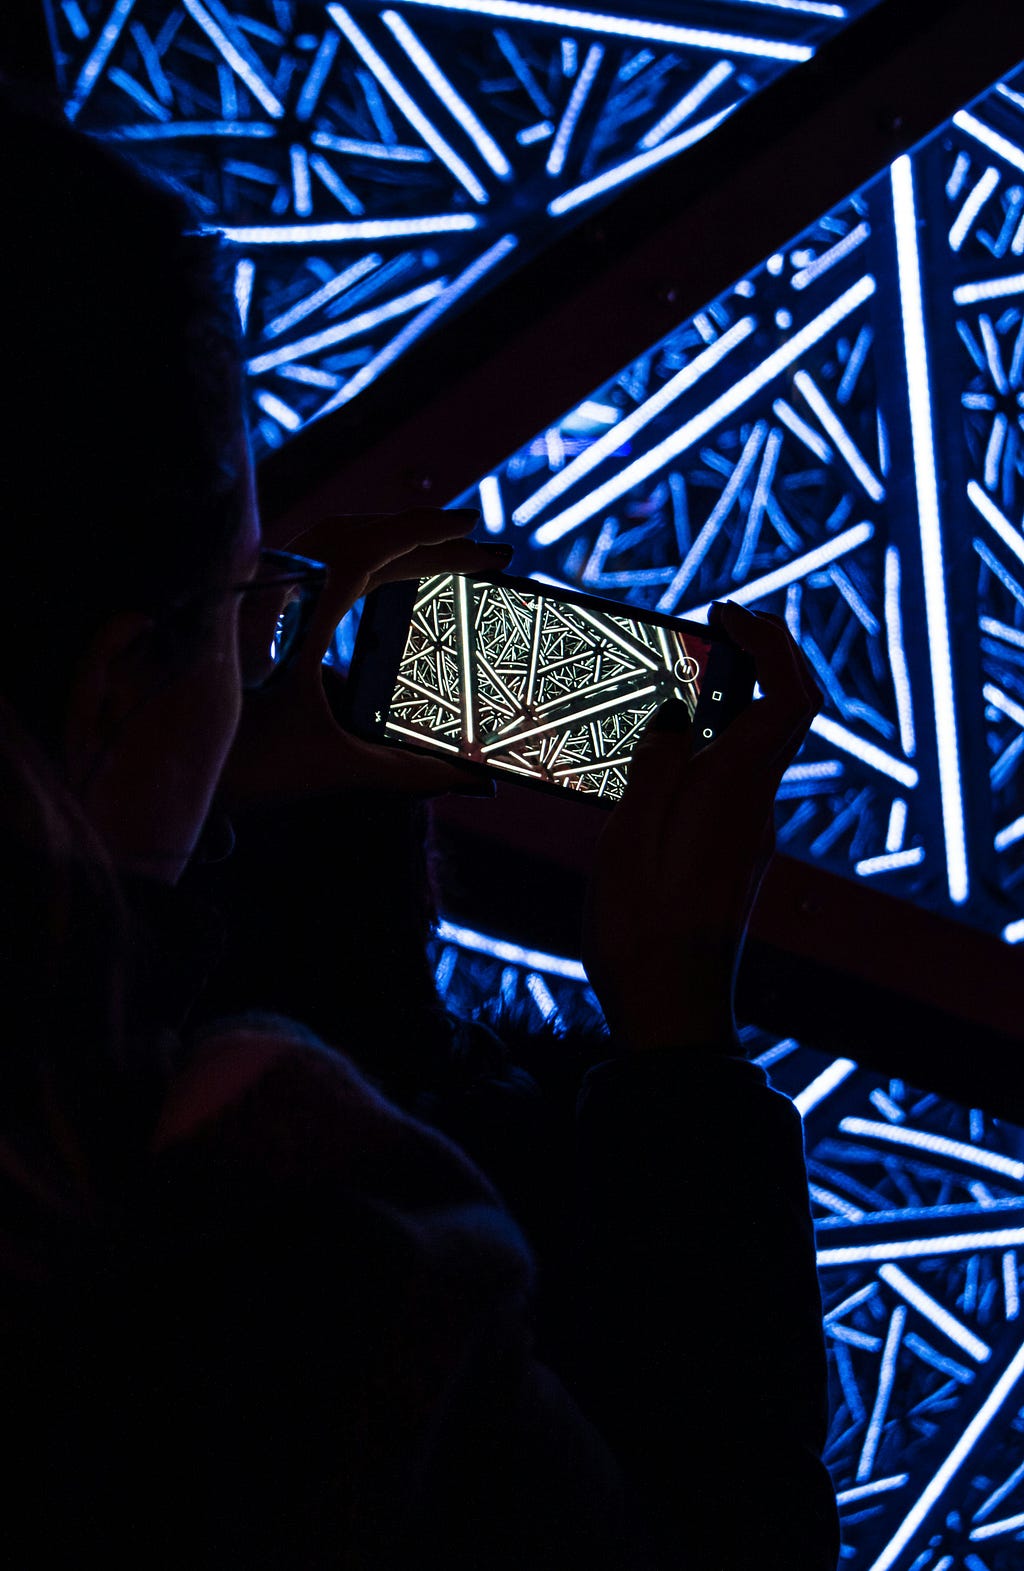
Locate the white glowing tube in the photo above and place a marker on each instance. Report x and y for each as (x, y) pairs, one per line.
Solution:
(972, 206)
(231, 44)
(886, 1377)
(721, 408)
(688, 104)
(578, 194)
(1010, 537)
(891, 862)
(407, 104)
(511, 954)
(926, 479)
(810, 562)
(897, 654)
(867, 752)
(573, 109)
(624, 27)
(299, 348)
(941, 1145)
(840, 436)
(993, 289)
(988, 138)
(278, 410)
(98, 57)
(829, 258)
(932, 1310)
(823, 1085)
(628, 427)
(245, 272)
(920, 1248)
(491, 506)
(453, 101)
(948, 1470)
(423, 320)
(514, 739)
(357, 229)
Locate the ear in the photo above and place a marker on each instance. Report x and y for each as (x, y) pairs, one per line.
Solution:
(113, 677)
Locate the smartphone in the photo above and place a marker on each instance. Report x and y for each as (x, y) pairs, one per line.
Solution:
(533, 681)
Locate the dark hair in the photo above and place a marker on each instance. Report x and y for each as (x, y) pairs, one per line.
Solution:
(121, 446)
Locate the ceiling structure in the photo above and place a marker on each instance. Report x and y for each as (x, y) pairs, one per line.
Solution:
(375, 167)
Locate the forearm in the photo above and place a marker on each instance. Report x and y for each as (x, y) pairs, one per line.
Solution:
(702, 1355)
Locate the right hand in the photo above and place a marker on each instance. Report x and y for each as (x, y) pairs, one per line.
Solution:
(680, 860)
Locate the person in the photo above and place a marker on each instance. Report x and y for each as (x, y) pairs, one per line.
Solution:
(256, 1314)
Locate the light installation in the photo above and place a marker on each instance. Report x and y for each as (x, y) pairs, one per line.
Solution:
(552, 691)
(838, 438)
(374, 165)
(919, 1211)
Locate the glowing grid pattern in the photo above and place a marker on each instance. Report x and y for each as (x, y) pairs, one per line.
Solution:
(374, 165)
(550, 690)
(919, 1210)
(838, 438)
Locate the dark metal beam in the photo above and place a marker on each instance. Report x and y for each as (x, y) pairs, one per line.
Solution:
(461, 401)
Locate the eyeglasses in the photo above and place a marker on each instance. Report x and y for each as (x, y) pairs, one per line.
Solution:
(276, 610)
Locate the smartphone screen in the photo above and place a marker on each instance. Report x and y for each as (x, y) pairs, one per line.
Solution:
(528, 681)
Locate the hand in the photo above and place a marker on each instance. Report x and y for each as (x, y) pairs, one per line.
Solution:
(289, 743)
(680, 861)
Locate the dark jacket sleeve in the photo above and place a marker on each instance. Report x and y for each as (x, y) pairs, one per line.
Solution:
(346, 1344)
(701, 1353)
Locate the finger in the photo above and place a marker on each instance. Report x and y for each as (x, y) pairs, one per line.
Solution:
(355, 549)
(365, 541)
(453, 556)
(782, 673)
(803, 665)
(658, 760)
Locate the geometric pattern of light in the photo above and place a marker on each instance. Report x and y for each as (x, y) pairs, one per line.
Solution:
(550, 690)
(375, 165)
(919, 1215)
(839, 438)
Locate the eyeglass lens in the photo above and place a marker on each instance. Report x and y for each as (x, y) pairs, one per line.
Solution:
(271, 620)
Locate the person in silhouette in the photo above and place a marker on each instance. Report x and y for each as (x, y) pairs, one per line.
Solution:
(256, 1313)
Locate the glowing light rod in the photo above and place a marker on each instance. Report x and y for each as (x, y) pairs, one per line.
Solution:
(510, 954)
(937, 1485)
(921, 1248)
(453, 101)
(625, 27)
(636, 166)
(927, 484)
(406, 103)
(423, 320)
(98, 57)
(939, 1145)
(800, 567)
(356, 229)
(867, 752)
(626, 429)
(988, 138)
(230, 43)
(300, 348)
(1011, 538)
(720, 409)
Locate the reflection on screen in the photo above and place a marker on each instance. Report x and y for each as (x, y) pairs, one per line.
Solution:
(537, 686)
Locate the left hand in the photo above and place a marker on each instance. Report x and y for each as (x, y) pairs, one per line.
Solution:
(289, 744)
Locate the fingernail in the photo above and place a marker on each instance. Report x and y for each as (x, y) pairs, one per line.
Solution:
(503, 553)
(673, 715)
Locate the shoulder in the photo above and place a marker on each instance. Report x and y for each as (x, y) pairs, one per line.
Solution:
(263, 1119)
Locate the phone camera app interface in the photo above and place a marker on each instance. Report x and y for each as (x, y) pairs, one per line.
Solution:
(541, 687)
